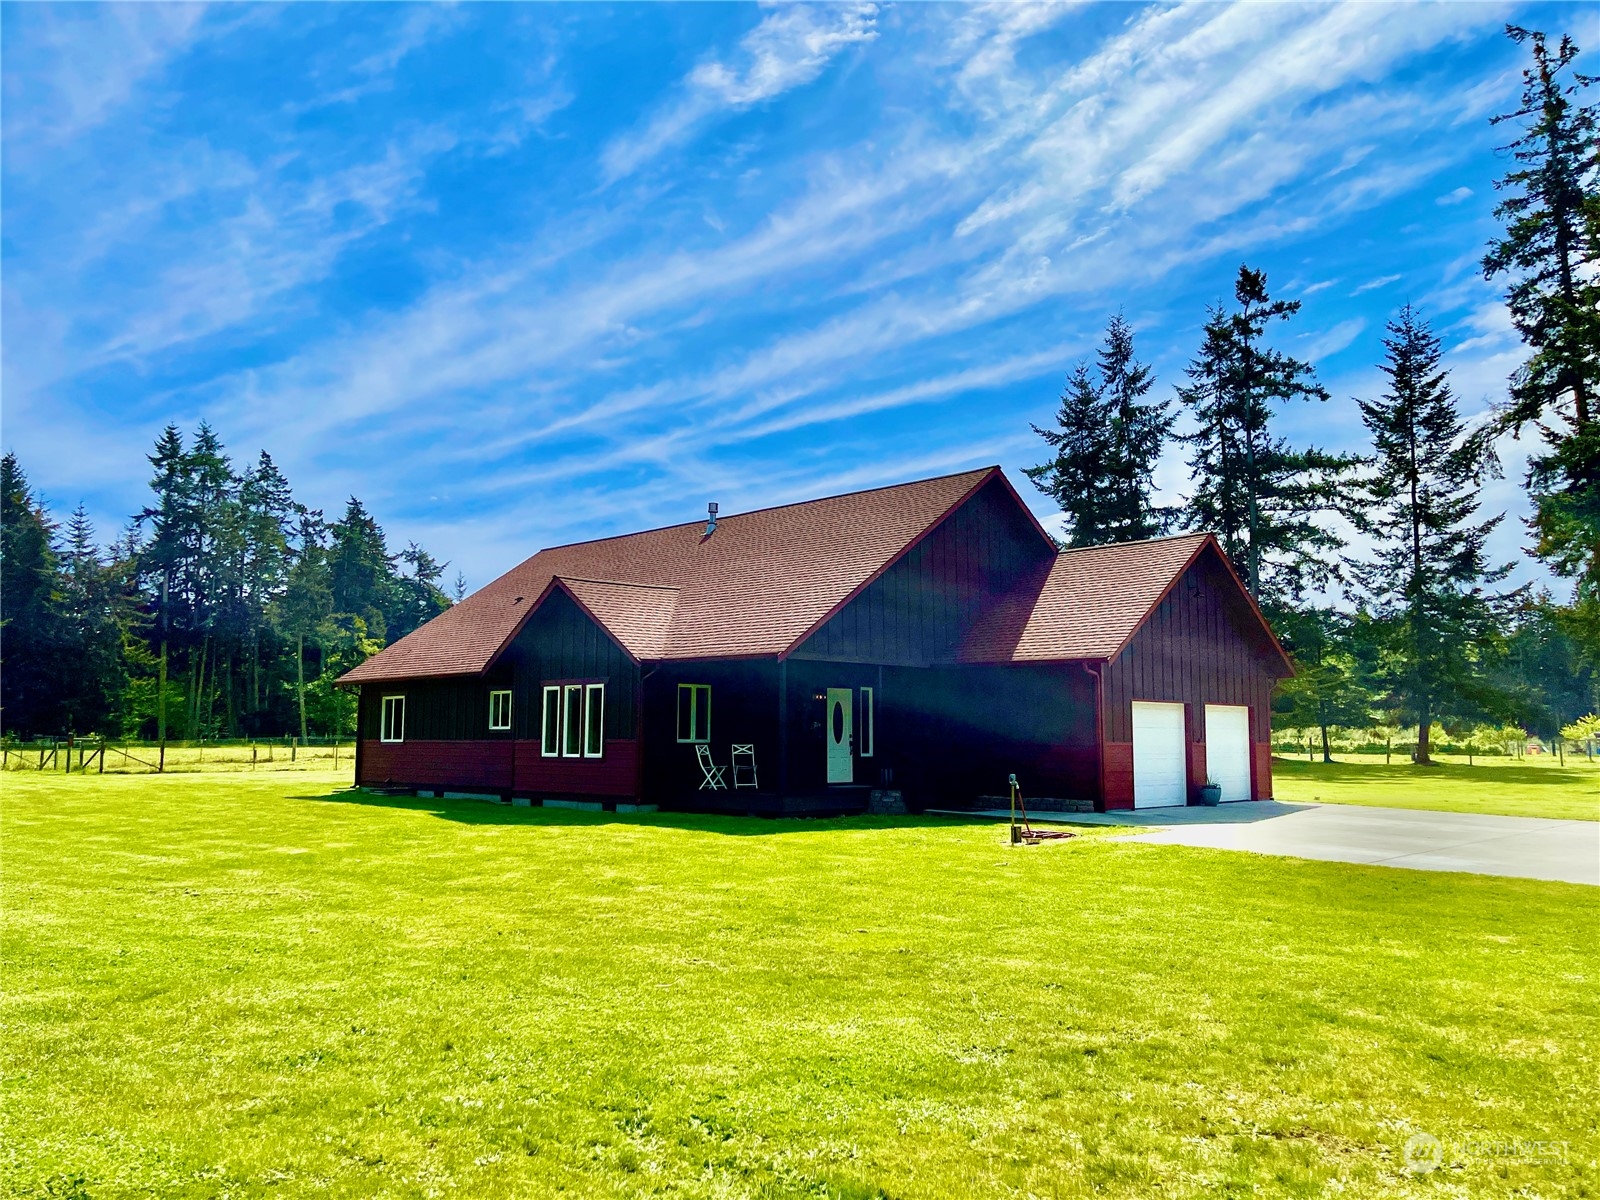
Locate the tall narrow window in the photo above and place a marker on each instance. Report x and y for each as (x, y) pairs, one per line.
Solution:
(572, 720)
(394, 719)
(550, 726)
(865, 738)
(594, 720)
(694, 712)
(500, 710)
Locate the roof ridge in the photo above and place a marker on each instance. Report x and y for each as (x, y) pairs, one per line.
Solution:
(886, 487)
(660, 587)
(1166, 537)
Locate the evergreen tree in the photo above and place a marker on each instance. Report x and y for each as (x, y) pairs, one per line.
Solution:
(1260, 497)
(1106, 442)
(93, 612)
(419, 598)
(1328, 689)
(361, 570)
(1551, 255)
(1439, 629)
(32, 629)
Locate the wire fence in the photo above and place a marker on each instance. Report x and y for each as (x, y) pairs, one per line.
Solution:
(113, 756)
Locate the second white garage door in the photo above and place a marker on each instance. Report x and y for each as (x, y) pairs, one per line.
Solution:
(1160, 774)
(1228, 749)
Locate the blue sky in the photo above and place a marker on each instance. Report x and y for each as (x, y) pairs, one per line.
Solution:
(525, 274)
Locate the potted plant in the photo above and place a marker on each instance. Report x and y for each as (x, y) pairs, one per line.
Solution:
(1211, 793)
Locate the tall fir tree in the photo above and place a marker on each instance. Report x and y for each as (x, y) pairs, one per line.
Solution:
(33, 633)
(95, 614)
(1263, 499)
(1550, 254)
(1427, 583)
(1106, 443)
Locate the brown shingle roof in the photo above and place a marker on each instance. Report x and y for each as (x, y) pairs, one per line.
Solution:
(1086, 605)
(752, 588)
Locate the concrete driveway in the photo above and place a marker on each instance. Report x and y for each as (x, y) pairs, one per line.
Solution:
(1526, 847)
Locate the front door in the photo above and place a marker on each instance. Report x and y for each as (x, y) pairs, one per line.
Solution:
(841, 739)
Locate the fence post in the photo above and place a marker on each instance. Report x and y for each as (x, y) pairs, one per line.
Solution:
(294, 745)
(252, 756)
(161, 763)
(335, 754)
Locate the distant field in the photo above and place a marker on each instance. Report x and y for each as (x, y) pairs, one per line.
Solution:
(225, 985)
(134, 758)
(1507, 786)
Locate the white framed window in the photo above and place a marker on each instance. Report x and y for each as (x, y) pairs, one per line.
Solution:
(694, 712)
(594, 720)
(393, 727)
(500, 710)
(864, 737)
(550, 722)
(572, 720)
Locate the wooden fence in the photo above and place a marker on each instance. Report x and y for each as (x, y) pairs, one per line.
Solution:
(84, 755)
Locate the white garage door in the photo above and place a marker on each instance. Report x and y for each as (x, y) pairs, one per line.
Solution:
(1160, 775)
(1228, 749)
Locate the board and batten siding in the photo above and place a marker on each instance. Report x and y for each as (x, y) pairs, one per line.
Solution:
(1202, 645)
(448, 742)
(917, 611)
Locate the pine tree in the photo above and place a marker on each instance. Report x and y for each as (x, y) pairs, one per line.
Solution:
(1426, 584)
(32, 628)
(1551, 254)
(419, 598)
(94, 613)
(1260, 497)
(1106, 441)
(361, 570)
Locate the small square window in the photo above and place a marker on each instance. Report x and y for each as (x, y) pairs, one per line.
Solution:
(500, 710)
(393, 728)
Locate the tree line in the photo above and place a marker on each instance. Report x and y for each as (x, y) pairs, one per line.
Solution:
(1374, 567)
(227, 608)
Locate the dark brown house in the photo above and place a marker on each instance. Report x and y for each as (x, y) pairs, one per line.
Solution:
(927, 638)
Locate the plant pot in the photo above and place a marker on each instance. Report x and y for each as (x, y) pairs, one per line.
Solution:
(1211, 794)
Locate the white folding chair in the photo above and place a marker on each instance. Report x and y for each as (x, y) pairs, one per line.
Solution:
(744, 767)
(715, 776)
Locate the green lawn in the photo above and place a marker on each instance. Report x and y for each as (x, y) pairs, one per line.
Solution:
(1511, 787)
(237, 986)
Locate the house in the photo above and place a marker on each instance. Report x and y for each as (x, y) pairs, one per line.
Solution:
(928, 638)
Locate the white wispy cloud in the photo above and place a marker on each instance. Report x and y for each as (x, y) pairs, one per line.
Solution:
(1455, 196)
(1373, 285)
(789, 48)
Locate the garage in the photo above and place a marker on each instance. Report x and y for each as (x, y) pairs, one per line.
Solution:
(1228, 749)
(1160, 774)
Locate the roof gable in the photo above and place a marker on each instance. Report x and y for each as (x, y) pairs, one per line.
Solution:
(753, 588)
(1089, 603)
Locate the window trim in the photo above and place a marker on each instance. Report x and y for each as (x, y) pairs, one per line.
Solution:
(867, 734)
(695, 689)
(594, 719)
(495, 694)
(384, 727)
(569, 747)
(550, 747)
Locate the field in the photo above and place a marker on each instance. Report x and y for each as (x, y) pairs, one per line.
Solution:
(1507, 786)
(236, 985)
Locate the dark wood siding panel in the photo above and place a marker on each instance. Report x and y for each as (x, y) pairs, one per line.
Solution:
(916, 612)
(1201, 646)
(561, 642)
(438, 709)
(615, 775)
(446, 765)
(744, 710)
(1118, 775)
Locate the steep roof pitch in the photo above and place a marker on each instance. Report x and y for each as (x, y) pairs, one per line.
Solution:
(755, 587)
(1090, 602)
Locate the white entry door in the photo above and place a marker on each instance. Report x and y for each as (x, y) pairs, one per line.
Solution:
(1160, 772)
(1228, 749)
(841, 740)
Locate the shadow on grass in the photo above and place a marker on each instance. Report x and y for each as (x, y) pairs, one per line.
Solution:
(480, 812)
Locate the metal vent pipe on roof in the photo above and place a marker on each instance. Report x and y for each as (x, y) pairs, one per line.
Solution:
(711, 518)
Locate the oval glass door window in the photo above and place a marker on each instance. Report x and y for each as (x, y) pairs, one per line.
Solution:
(838, 721)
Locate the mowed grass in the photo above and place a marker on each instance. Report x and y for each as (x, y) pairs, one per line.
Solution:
(225, 986)
(1504, 786)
